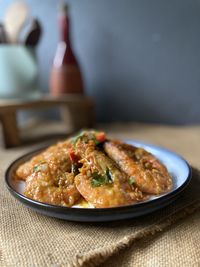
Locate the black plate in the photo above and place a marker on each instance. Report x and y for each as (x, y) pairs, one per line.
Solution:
(177, 166)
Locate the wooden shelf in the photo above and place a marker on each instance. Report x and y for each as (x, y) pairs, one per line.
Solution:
(77, 111)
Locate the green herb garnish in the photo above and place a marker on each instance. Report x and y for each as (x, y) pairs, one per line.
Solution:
(96, 141)
(99, 180)
(131, 180)
(92, 136)
(76, 138)
(40, 166)
(37, 168)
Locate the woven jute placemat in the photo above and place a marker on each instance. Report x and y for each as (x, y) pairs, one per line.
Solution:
(168, 237)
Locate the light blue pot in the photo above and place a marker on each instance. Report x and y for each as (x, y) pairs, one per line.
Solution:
(18, 72)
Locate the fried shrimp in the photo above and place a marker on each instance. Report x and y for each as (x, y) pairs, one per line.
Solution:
(102, 184)
(91, 170)
(147, 172)
(48, 176)
(42, 186)
(56, 156)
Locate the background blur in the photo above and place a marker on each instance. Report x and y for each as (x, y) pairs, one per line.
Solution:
(140, 59)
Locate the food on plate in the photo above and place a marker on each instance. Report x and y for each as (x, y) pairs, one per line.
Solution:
(102, 184)
(56, 156)
(91, 170)
(48, 176)
(149, 174)
(43, 186)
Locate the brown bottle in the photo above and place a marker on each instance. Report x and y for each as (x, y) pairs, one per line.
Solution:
(65, 76)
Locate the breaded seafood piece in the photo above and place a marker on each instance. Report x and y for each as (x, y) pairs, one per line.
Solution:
(148, 173)
(89, 170)
(42, 186)
(87, 141)
(102, 184)
(56, 156)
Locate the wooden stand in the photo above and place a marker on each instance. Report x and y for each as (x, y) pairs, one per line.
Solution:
(77, 111)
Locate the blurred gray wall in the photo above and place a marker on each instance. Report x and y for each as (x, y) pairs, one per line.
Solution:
(140, 59)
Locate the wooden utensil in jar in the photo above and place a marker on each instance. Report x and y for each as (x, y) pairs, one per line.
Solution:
(15, 18)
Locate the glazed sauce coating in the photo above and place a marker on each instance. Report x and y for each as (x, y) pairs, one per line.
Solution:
(94, 171)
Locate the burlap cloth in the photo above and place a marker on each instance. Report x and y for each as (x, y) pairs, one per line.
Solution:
(169, 237)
